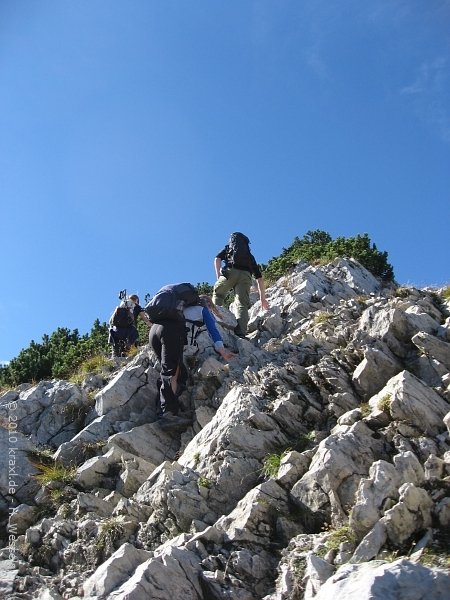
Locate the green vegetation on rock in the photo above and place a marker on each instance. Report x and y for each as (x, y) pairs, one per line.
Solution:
(318, 247)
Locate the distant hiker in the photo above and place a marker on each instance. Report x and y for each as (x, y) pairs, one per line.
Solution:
(123, 333)
(169, 310)
(236, 274)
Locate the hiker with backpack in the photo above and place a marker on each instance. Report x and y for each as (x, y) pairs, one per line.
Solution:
(123, 333)
(169, 310)
(236, 274)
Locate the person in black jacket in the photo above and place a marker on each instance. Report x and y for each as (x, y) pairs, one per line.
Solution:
(167, 338)
(123, 333)
(236, 274)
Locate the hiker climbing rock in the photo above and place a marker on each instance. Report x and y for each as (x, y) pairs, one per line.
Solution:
(123, 333)
(236, 274)
(170, 310)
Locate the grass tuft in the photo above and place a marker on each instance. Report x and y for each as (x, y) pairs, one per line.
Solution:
(322, 316)
(271, 463)
(384, 404)
(54, 473)
(95, 365)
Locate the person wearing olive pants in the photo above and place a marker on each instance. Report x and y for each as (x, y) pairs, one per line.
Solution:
(236, 274)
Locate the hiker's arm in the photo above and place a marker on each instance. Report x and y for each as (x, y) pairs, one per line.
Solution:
(145, 318)
(210, 323)
(138, 311)
(217, 266)
(262, 293)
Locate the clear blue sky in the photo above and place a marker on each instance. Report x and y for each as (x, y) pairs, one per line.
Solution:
(136, 135)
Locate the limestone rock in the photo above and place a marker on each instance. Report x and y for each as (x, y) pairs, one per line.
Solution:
(412, 513)
(50, 413)
(373, 492)
(385, 581)
(412, 401)
(114, 572)
(293, 466)
(134, 386)
(433, 346)
(21, 518)
(374, 372)
(173, 574)
(193, 513)
(8, 575)
(340, 462)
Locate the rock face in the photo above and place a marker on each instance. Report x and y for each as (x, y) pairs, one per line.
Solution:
(300, 469)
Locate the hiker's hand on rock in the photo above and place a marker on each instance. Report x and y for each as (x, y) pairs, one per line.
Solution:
(226, 354)
(264, 304)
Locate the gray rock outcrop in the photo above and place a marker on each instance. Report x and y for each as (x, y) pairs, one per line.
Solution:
(304, 466)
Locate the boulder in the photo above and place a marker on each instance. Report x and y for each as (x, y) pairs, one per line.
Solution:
(50, 413)
(374, 372)
(114, 572)
(379, 580)
(411, 400)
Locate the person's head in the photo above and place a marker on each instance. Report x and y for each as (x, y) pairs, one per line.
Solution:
(206, 300)
(134, 298)
(238, 235)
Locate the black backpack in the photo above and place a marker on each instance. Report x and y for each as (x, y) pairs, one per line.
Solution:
(238, 252)
(168, 303)
(122, 317)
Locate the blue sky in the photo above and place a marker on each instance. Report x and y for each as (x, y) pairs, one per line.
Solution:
(136, 135)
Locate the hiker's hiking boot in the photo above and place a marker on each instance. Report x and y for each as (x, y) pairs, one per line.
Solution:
(171, 422)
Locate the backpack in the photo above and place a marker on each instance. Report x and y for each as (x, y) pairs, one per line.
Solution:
(122, 317)
(168, 303)
(238, 252)
(193, 330)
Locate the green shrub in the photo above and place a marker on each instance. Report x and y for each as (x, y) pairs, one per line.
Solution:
(318, 246)
(57, 356)
(60, 496)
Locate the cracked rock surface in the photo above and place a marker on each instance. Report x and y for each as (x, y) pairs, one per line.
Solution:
(315, 464)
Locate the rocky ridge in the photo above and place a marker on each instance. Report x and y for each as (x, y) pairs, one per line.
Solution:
(316, 464)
